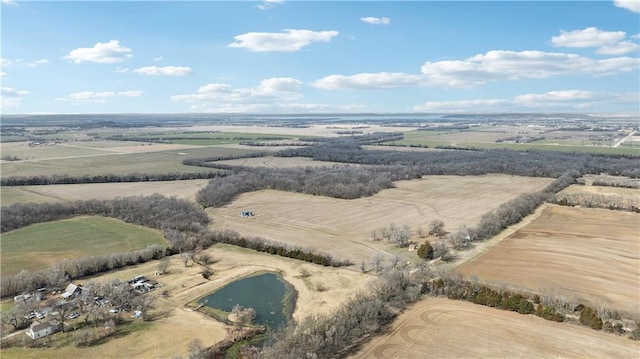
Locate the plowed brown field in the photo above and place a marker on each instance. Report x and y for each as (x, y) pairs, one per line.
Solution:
(587, 254)
(344, 227)
(443, 328)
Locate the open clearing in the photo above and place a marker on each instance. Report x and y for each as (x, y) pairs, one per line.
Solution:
(71, 192)
(443, 328)
(343, 227)
(41, 245)
(580, 253)
(176, 325)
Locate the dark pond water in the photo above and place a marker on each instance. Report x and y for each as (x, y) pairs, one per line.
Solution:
(271, 296)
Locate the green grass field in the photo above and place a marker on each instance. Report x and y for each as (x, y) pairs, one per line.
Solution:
(11, 195)
(430, 139)
(41, 245)
(149, 162)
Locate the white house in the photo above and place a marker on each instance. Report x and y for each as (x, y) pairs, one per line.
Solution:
(39, 330)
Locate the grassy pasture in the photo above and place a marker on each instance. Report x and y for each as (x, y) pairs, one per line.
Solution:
(444, 328)
(592, 255)
(343, 227)
(482, 139)
(118, 163)
(175, 324)
(71, 192)
(41, 245)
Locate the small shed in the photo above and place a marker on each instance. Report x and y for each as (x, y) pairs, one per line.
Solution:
(246, 214)
(39, 330)
(71, 290)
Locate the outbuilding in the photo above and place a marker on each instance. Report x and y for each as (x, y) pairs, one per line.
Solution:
(39, 330)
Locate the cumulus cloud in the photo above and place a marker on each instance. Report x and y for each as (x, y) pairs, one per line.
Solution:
(85, 97)
(589, 37)
(38, 62)
(620, 48)
(609, 42)
(376, 20)
(121, 70)
(102, 52)
(564, 100)
(269, 90)
(500, 65)
(158, 58)
(277, 95)
(9, 2)
(362, 81)
(631, 5)
(163, 71)
(5, 62)
(11, 98)
(289, 40)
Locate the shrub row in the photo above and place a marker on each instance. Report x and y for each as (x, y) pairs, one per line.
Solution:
(107, 178)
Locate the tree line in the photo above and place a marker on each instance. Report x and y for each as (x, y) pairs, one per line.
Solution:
(107, 178)
(155, 211)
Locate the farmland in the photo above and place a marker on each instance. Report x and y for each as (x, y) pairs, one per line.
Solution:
(561, 253)
(73, 163)
(186, 189)
(574, 254)
(327, 223)
(41, 245)
(443, 328)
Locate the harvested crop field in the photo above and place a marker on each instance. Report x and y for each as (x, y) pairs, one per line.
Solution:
(579, 253)
(279, 162)
(71, 192)
(632, 194)
(443, 328)
(344, 226)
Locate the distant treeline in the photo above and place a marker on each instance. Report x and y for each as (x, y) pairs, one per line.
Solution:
(477, 162)
(345, 182)
(107, 178)
(155, 211)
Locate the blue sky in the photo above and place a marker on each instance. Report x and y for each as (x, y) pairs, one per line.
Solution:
(320, 57)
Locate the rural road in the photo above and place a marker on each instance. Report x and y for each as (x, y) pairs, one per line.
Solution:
(624, 139)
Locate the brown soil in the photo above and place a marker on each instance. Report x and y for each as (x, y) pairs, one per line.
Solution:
(443, 328)
(592, 255)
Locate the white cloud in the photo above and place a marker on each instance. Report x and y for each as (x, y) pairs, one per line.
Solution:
(376, 20)
(268, 4)
(500, 65)
(3, 74)
(589, 37)
(20, 62)
(102, 53)
(269, 90)
(87, 97)
(11, 98)
(158, 59)
(565, 100)
(9, 2)
(631, 5)
(163, 71)
(609, 42)
(289, 40)
(619, 48)
(121, 70)
(39, 62)
(379, 80)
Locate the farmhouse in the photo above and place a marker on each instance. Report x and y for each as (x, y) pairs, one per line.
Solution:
(39, 330)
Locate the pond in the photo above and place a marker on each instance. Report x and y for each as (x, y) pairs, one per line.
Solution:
(269, 294)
